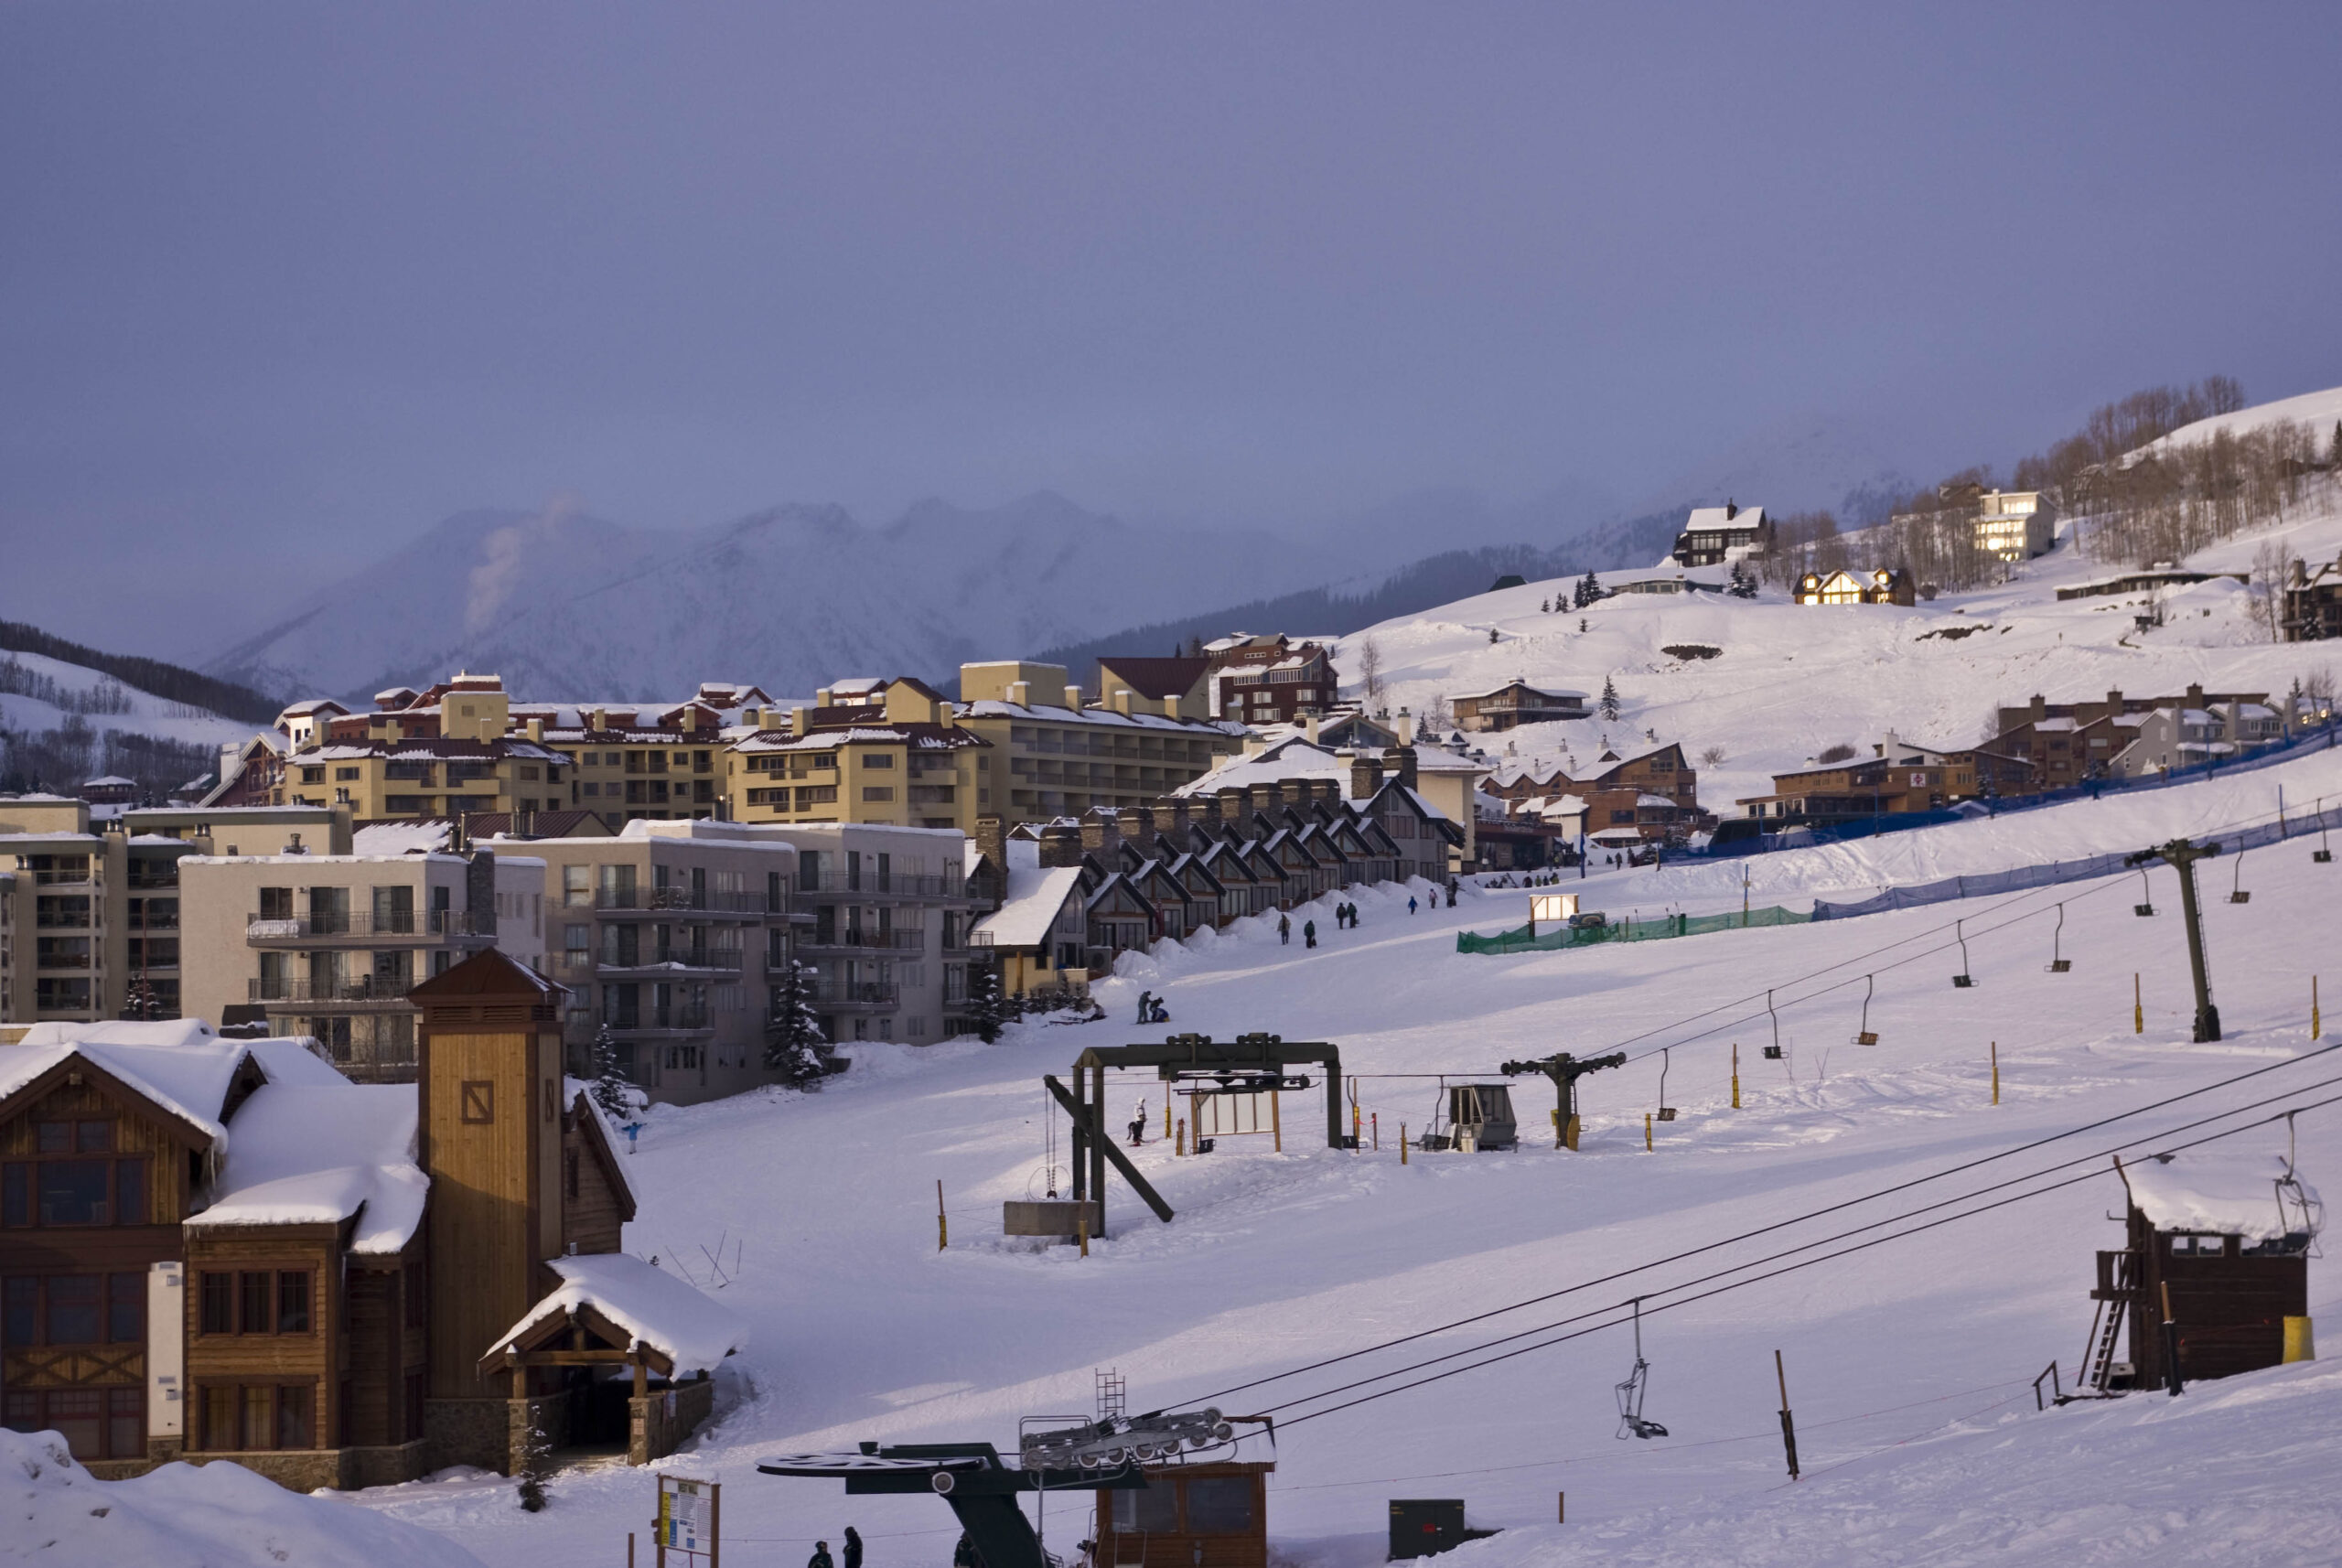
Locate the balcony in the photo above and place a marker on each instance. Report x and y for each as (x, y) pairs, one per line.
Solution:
(679, 1018)
(721, 960)
(664, 901)
(363, 993)
(80, 877)
(878, 885)
(858, 941)
(856, 995)
(359, 928)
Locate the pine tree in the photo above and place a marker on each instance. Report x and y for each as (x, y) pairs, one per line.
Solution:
(140, 1001)
(1589, 590)
(795, 1045)
(1544, 607)
(1492, 634)
(536, 1465)
(1609, 708)
(611, 1091)
(987, 1008)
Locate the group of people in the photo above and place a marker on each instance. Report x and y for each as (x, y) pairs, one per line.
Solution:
(821, 1558)
(1151, 1009)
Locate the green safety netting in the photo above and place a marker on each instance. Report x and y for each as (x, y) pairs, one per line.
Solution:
(1655, 928)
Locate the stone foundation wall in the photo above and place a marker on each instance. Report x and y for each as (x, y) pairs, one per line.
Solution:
(549, 1411)
(467, 1432)
(662, 1418)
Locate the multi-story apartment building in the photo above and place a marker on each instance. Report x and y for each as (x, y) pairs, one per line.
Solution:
(329, 945)
(92, 917)
(2015, 525)
(891, 912)
(1270, 678)
(884, 752)
(1064, 760)
(1716, 535)
(671, 936)
(1514, 703)
(467, 762)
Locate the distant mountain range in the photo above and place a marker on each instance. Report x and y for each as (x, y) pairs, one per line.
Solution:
(563, 604)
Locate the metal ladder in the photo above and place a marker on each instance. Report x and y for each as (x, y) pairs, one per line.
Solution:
(2101, 1357)
(2117, 1283)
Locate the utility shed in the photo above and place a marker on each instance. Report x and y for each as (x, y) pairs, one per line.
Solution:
(2228, 1233)
(1189, 1516)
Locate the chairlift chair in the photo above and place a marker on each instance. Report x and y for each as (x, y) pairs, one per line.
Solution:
(1773, 1051)
(2058, 962)
(1631, 1392)
(2238, 892)
(1963, 979)
(2145, 906)
(1666, 1112)
(2324, 854)
(1866, 1036)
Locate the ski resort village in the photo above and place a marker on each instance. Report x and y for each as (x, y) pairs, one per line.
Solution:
(1810, 1050)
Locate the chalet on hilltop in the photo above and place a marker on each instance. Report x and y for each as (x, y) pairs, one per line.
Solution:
(1514, 703)
(1717, 535)
(1885, 586)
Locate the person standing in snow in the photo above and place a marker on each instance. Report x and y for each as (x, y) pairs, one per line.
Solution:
(1138, 1126)
(821, 1558)
(1309, 933)
(1410, 903)
(1284, 930)
(965, 1555)
(1146, 1006)
(852, 1547)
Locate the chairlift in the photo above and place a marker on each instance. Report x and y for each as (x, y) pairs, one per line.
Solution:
(2145, 906)
(1866, 1036)
(1773, 1051)
(2058, 962)
(1666, 1112)
(1963, 979)
(2238, 892)
(2324, 854)
(1631, 1391)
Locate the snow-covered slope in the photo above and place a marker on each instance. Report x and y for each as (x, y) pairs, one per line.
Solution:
(143, 713)
(559, 603)
(1792, 680)
(1908, 1364)
(2321, 411)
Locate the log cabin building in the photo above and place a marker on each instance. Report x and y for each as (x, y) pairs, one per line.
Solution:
(221, 1249)
(1206, 1515)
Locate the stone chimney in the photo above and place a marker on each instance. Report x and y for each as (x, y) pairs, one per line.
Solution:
(1264, 799)
(1366, 777)
(1100, 833)
(1232, 806)
(1293, 791)
(1165, 815)
(1132, 822)
(1073, 698)
(992, 840)
(1402, 760)
(1060, 846)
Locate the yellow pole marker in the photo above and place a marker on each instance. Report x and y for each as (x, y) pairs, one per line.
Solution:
(1735, 1075)
(2138, 1007)
(1167, 1115)
(1403, 1142)
(1996, 1072)
(1276, 1123)
(1646, 1132)
(2316, 1027)
(942, 1225)
(2299, 1345)
(1082, 1224)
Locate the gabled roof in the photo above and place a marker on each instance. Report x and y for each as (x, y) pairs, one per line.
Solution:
(1029, 911)
(491, 971)
(307, 1153)
(184, 1071)
(681, 1324)
(587, 1117)
(1155, 678)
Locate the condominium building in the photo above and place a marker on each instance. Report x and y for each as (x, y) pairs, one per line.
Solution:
(2015, 525)
(1065, 760)
(670, 936)
(467, 763)
(329, 945)
(90, 919)
(891, 912)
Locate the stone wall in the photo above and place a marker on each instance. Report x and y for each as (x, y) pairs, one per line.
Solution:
(662, 1418)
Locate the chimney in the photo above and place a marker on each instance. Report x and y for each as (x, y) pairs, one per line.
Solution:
(1254, 745)
(391, 730)
(601, 719)
(1366, 777)
(1073, 698)
(1020, 692)
(1100, 832)
(821, 698)
(537, 730)
(1231, 807)
(800, 721)
(1310, 728)
(1171, 706)
(2113, 704)
(992, 840)
(1403, 762)
(1293, 791)
(1263, 799)
(1131, 823)
(1406, 728)
(2195, 696)
(1731, 510)
(1121, 699)
(2040, 707)
(1166, 815)
(1060, 846)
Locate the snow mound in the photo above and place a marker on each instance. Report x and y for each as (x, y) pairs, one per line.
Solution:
(183, 1515)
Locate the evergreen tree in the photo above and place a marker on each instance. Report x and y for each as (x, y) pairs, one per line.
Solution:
(987, 1008)
(1492, 634)
(141, 1003)
(613, 1094)
(1545, 606)
(795, 1046)
(1589, 590)
(536, 1465)
(1609, 708)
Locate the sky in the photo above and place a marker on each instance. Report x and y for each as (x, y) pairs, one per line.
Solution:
(281, 287)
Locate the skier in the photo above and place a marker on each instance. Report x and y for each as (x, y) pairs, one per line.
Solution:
(1309, 933)
(1284, 930)
(1138, 1126)
(1146, 1006)
(1410, 903)
(852, 1547)
(821, 1558)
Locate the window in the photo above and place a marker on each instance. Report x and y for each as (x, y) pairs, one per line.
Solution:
(877, 791)
(293, 1302)
(126, 1309)
(96, 1423)
(257, 1292)
(878, 760)
(1220, 1504)
(216, 1303)
(1154, 1511)
(73, 1316)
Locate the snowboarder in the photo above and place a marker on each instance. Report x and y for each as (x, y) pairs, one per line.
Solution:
(1138, 1126)
(1410, 903)
(1284, 930)
(1146, 1006)
(1309, 933)
(821, 1558)
(852, 1547)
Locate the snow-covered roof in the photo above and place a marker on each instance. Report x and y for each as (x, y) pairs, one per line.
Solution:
(2229, 1190)
(679, 1322)
(403, 838)
(111, 781)
(579, 1094)
(1711, 518)
(1043, 714)
(314, 1153)
(1294, 757)
(1030, 909)
(179, 1065)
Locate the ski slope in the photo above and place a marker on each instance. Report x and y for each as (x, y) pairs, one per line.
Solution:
(1908, 1363)
(147, 714)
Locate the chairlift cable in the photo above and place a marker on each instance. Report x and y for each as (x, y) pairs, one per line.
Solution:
(1823, 1242)
(1789, 1268)
(1783, 1223)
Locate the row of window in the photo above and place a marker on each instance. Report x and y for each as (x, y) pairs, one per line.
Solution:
(72, 1309)
(56, 1191)
(254, 1301)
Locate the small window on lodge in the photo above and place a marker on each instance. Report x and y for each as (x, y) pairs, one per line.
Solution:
(2199, 1246)
(1152, 1511)
(1220, 1504)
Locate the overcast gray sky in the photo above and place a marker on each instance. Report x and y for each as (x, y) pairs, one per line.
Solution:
(282, 286)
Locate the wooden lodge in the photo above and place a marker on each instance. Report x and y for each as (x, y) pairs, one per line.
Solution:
(2222, 1242)
(222, 1248)
(1210, 1515)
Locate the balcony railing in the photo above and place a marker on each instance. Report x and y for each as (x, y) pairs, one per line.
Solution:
(876, 884)
(60, 960)
(855, 994)
(65, 878)
(681, 1016)
(855, 940)
(61, 920)
(431, 924)
(723, 959)
(315, 992)
(681, 898)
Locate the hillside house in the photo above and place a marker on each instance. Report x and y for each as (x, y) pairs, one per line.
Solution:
(2067, 744)
(1514, 703)
(2313, 610)
(1898, 777)
(1655, 794)
(1882, 586)
(1275, 678)
(2172, 737)
(1717, 535)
